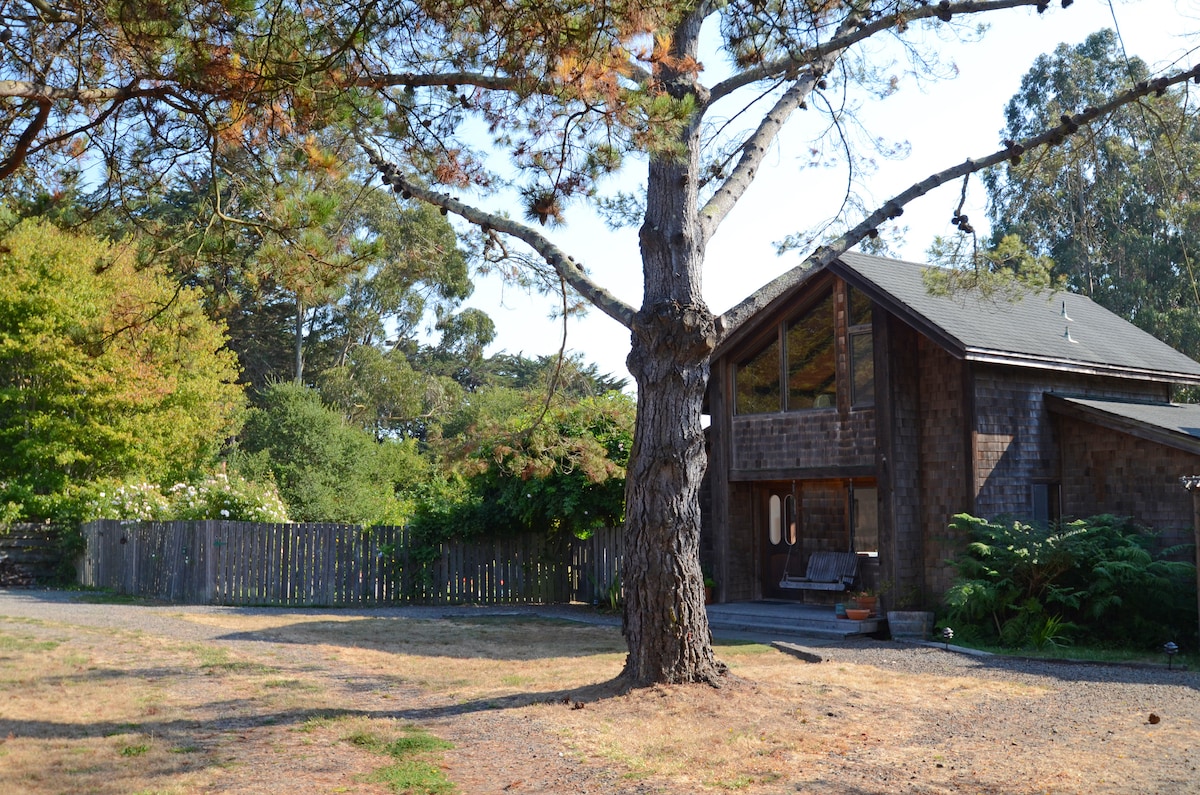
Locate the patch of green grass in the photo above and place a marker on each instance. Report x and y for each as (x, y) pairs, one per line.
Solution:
(214, 658)
(416, 741)
(414, 777)
(728, 647)
(25, 643)
(1081, 654)
(135, 750)
(291, 684)
(365, 740)
(114, 598)
(123, 728)
(319, 722)
(415, 771)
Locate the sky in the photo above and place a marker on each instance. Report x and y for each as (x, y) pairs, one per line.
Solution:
(943, 123)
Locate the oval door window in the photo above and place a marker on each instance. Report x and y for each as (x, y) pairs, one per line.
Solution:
(775, 528)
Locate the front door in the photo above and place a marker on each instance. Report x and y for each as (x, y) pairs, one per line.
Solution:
(782, 552)
(802, 517)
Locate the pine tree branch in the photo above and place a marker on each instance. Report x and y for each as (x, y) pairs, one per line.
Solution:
(860, 31)
(563, 265)
(43, 92)
(21, 148)
(894, 207)
(755, 148)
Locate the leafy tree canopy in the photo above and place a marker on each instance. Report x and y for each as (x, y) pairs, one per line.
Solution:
(106, 370)
(519, 465)
(1115, 208)
(327, 470)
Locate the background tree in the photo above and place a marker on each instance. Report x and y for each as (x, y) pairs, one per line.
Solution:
(327, 469)
(514, 464)
(1115, 208)
(106, 370)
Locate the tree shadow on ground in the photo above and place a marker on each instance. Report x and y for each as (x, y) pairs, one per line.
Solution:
(517, 638)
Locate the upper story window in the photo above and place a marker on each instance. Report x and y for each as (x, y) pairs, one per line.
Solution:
(757, 389)
(811, 358)
(862, 349)
(797, 369)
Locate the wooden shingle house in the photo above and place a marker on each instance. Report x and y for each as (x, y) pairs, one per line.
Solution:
(860, 411)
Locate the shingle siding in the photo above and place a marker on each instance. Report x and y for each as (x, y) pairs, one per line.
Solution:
(817, 439)
(1105, 471)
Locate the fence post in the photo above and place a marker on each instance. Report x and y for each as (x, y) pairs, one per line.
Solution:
(209, 540)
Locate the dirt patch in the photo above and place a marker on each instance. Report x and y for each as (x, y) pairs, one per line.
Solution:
(118, 698)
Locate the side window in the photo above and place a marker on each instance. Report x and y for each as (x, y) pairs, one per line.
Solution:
(811, 358)
(865, 519)
(756, 383)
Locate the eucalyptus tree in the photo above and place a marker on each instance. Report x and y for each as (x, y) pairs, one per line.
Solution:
(1115, 208)
(451, 99)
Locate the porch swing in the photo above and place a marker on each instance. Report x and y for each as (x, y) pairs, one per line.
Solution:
(826, 571)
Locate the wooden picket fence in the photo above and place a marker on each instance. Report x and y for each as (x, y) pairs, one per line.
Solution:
(334, 565)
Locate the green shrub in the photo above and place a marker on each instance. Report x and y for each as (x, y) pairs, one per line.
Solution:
(213, 496)
(1094, 581)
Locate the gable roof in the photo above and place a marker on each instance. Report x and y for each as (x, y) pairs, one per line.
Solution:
(1031, 331)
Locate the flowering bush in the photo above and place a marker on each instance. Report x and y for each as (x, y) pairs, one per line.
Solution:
(220, 496)
(142, 502)
(215, 496)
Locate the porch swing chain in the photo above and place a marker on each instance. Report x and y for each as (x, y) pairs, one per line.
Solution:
(791, 534)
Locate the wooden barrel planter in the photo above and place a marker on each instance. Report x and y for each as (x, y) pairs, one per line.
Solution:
(910, 624)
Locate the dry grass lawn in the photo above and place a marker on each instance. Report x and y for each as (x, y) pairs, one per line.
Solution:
(309, 703)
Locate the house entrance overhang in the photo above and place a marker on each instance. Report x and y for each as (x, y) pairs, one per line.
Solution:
(1171, 424)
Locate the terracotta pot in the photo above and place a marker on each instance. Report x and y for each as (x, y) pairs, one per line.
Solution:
(857, 613)
(867, 603)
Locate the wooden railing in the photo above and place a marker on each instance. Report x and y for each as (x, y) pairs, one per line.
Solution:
(241, 563)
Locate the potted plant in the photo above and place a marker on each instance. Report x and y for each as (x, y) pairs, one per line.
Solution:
(865, 599)
(710, 588)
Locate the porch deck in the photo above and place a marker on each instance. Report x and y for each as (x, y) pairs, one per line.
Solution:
(787, 619)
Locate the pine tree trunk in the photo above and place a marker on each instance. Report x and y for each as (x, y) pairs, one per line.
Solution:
(665, 623)
(299, 348)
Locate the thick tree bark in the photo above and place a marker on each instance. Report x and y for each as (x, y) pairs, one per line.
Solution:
(674, 334)
(665, 621)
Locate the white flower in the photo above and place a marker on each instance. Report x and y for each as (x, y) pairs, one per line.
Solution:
(225, 513)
